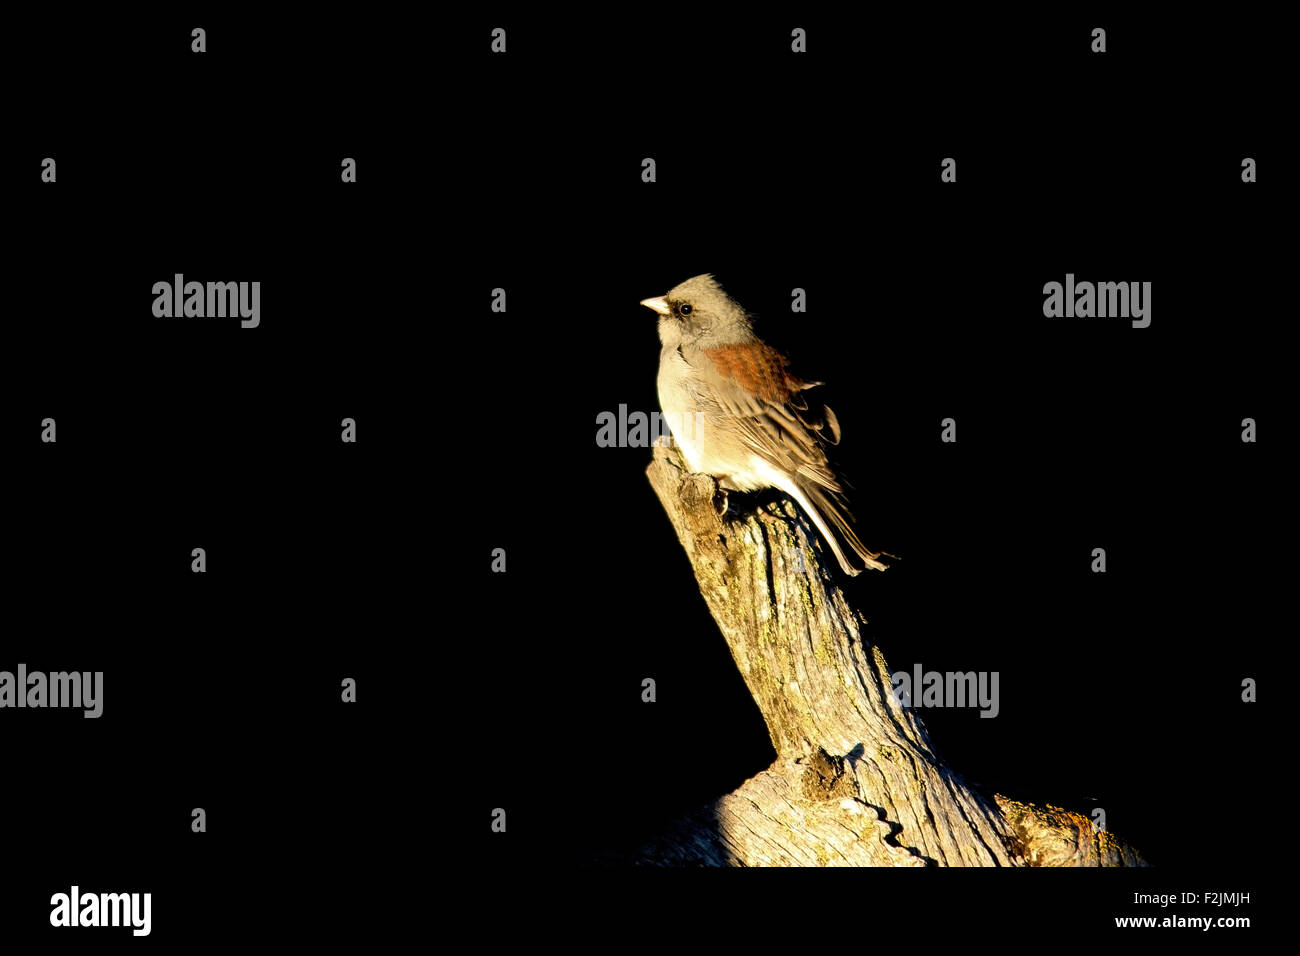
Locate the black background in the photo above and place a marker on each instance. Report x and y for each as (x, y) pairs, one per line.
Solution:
(477, 430)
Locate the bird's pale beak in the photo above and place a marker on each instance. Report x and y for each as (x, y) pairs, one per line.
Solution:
(658, 303)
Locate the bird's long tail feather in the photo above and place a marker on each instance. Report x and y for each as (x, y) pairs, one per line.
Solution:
(822, 507)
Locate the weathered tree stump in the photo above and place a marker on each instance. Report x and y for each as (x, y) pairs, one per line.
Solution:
(856, 781)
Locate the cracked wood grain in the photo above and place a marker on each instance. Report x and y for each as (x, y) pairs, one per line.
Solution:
(856, 781)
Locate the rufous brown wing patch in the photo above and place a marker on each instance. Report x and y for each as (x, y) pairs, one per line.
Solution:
(757, 368)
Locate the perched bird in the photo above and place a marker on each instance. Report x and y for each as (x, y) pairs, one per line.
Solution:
(737, 413)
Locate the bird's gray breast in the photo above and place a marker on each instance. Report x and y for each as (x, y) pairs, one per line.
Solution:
(689, 411)
(679, 385)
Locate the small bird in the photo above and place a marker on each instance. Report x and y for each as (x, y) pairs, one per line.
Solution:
(737, 413)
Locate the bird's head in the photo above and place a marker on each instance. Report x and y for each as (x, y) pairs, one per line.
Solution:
(697, 311)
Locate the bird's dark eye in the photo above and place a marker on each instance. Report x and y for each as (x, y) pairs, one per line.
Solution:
(684, 309)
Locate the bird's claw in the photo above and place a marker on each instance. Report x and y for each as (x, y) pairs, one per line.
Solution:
(720, 502)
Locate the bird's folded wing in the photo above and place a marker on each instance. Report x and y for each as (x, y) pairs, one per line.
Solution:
(752, 385)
